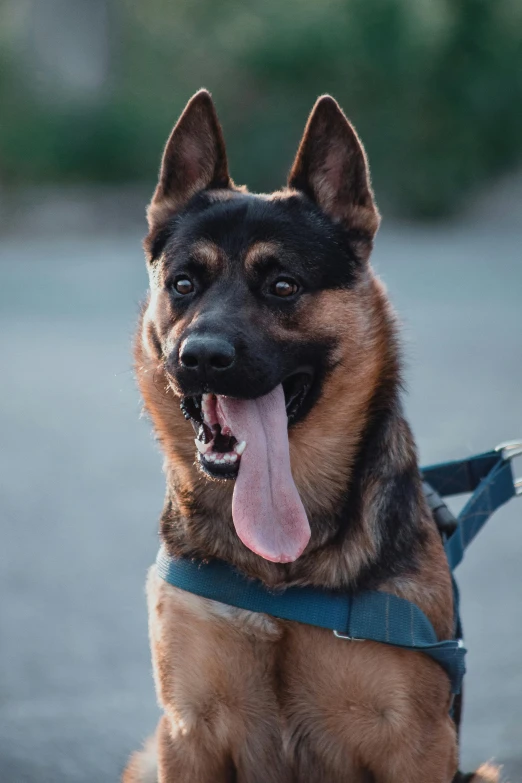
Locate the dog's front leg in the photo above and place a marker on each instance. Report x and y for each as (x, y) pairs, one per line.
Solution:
(428, 757)
(201, 757)
(214, 672)
(187, 758)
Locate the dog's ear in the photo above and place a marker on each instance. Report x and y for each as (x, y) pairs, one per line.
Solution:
(194, 159)
(331, 169)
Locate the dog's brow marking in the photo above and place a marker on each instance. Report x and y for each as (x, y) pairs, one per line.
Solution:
(206, 251)
(260, 250)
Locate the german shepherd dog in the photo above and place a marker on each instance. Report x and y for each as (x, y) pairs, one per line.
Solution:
(268, 359)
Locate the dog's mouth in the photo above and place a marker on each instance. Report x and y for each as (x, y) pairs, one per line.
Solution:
(247, 440)
(219, 450)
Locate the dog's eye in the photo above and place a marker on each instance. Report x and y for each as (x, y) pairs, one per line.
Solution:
(284, 287)
(183, 285)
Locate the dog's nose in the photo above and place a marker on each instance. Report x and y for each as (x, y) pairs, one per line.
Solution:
(205, 352)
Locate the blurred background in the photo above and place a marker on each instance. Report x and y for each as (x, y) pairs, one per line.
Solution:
(89, 90)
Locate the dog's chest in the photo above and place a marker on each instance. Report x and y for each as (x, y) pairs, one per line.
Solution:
(213, 658)
(165, 599)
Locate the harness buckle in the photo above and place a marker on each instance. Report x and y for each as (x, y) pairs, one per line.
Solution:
(510, 449)
(349, 638)
(444, 519)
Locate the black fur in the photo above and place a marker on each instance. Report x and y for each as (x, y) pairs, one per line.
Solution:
(321, 250)
(401, 539)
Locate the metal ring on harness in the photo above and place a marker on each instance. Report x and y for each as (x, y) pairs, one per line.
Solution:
(509, 450)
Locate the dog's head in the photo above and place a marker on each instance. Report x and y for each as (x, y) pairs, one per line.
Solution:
(260, 312)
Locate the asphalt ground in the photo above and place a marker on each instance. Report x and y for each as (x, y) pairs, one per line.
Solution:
(81, 485)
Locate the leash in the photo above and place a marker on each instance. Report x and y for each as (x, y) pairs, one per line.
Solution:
(372, 615)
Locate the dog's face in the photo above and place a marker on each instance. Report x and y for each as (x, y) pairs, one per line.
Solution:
(240, 313)
(239, 284)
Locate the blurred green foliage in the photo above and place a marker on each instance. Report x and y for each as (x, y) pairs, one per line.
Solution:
(434, 88)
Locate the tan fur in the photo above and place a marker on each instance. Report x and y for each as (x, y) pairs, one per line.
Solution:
(351, 700)
(207, 252)
(143, 765)
(260, 250)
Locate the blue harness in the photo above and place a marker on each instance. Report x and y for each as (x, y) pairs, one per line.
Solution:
(372, 615)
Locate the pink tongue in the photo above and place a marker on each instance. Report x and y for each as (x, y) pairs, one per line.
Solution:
(266, 508)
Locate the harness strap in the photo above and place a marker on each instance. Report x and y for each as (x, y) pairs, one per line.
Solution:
(489, 477)
(461, 475)
(371, 615)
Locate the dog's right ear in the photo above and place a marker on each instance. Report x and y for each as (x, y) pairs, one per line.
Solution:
(331, 169)
(194, 159)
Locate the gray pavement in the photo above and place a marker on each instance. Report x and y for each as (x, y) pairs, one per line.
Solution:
(81, 484)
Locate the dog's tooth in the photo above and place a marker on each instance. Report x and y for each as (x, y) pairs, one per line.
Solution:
(210, 456)
(240, 447)
(229, 457)
(201, 447)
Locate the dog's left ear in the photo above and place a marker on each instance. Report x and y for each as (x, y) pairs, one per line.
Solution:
(194, 159)
(331, 169)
